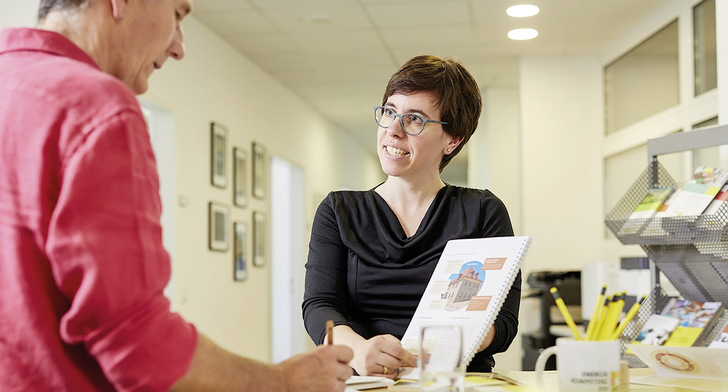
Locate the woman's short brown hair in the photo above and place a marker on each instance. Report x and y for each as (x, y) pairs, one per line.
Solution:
(456, 94)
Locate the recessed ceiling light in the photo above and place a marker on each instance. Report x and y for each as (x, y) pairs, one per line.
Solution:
(522, 10)
(522, 34)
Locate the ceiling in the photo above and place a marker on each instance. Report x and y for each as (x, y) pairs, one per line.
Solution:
(337, 55)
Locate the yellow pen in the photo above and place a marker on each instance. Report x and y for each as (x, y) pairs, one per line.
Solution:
(612, 317)
(565, 312)
(595, 315)
(628, 318)
(602, 315)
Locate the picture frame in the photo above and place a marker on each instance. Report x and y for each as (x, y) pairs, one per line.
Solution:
(259, 171)
(218, 155)
(240, 247)
(240, 177)
(259, 238)
(219, 218)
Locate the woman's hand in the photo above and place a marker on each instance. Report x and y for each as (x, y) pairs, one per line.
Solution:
(382, 355)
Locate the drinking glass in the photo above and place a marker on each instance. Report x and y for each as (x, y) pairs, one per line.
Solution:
(441, 358)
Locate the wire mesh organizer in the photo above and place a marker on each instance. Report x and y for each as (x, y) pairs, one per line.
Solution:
(708, 232)
(653, 304)
(691, 251)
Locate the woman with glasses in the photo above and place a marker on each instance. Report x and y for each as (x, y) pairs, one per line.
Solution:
(372, 252)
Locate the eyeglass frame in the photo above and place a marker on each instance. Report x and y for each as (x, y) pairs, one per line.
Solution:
(401, 120)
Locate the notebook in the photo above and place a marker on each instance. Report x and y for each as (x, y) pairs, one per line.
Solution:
(468, 288)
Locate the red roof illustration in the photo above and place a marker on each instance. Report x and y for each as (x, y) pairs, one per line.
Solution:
(468, 274)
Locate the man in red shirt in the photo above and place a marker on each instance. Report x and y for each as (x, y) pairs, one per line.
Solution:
(81, 256)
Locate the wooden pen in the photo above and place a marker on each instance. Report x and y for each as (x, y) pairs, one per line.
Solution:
(330, 332)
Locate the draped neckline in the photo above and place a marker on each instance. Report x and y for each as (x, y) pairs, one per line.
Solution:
(393, 220)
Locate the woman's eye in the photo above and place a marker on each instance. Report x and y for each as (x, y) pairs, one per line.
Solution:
(414, 119)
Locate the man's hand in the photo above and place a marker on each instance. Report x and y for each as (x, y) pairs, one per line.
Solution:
(324, 369)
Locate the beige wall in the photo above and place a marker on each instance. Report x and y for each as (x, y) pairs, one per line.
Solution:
(561, 119)
(215, 83)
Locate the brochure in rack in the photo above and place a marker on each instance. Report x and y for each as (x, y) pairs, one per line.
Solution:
(468, 288)
(647, 208)
(721, 340)
(697, 193)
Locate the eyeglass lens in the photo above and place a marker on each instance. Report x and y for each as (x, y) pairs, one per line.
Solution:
(410, 122)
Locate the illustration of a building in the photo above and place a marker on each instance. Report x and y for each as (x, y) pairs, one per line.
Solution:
(461, 289)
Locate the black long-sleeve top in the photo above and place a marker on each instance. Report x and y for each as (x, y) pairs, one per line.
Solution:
(364, 272)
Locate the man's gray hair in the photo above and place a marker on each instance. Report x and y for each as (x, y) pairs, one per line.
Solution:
(47, 6)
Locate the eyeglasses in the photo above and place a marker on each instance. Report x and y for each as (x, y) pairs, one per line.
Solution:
(411, 123)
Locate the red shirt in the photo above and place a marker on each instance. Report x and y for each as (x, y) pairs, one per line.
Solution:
(82, 267)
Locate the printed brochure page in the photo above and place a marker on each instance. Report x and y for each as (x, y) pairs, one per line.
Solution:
(467, 288)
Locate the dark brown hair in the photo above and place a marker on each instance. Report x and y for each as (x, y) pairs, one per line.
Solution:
(47, 6)
(456, 94)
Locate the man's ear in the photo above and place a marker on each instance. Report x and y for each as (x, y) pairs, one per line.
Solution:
(117, 8)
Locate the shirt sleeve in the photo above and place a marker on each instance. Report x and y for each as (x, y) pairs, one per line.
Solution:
(105, 249)
(498, 224)
(326, 275)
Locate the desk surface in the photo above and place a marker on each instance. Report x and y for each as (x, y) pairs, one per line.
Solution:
(550, 379)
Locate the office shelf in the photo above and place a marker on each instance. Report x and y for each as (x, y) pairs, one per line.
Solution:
(654, 303)
(690, 251)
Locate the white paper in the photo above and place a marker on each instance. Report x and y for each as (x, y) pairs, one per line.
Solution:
(698, 362)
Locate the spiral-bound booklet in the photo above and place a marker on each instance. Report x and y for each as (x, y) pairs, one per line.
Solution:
(467, 288)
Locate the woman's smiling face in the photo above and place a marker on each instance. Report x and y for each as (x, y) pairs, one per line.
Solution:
(404, 155)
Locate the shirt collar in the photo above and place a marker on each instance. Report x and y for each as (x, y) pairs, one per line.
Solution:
(28, 39)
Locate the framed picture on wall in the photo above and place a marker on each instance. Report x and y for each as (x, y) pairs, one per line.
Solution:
(240, 247)
(259, 238)
(218, 147)
(259, 171)
(219, 216)
(240, 177)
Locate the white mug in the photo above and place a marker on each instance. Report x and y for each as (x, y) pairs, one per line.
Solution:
(583, 365)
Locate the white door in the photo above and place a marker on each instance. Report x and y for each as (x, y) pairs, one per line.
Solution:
(161, 132)
(288, 255)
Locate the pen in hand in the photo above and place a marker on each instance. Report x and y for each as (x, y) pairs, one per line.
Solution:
(330, 332)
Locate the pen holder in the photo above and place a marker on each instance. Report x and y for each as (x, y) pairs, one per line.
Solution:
(583, 365)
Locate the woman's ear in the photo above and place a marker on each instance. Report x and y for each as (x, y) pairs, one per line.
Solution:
(452, 145)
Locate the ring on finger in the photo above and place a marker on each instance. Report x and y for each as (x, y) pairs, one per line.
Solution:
(386, 370)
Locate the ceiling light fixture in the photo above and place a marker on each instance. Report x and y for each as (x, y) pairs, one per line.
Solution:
(522, 10)
(522, 34)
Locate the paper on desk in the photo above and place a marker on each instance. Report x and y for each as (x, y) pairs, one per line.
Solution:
(362, 383)
(701, 384)
(474, 382)
(693, 362)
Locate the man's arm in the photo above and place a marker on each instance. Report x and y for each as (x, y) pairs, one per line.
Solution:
(215, 369)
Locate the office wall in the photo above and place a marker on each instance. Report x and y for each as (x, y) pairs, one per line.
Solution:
(721, 30)
(215, 83)
(561, 123)
(494, 159)
(18, 13)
